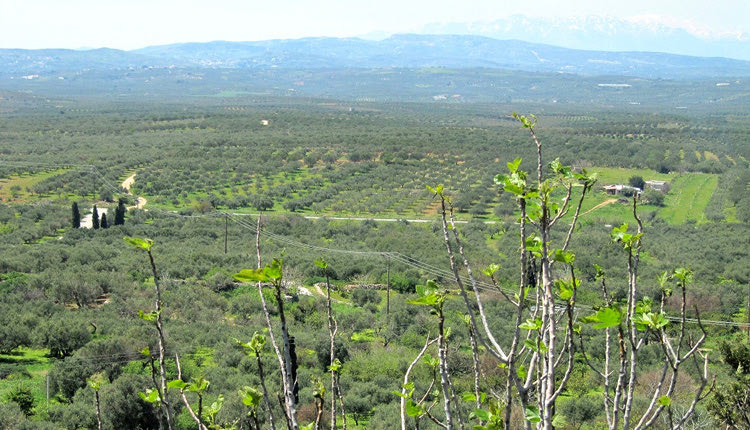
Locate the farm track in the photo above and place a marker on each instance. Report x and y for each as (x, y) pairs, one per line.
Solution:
(600, 205)
(140, 202)
(323, 294)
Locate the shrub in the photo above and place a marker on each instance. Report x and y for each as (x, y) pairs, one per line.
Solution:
(24, 398)
(637, 182)
(363, 296)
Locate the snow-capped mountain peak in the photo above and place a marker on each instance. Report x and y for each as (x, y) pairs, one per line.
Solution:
(654, 33)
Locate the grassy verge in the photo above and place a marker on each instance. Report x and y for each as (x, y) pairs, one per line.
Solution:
(26, 368)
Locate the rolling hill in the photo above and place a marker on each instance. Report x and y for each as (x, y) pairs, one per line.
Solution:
(398, 51)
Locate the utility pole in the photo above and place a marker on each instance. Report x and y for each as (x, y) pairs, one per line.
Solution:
(388, 284)
(226, 231)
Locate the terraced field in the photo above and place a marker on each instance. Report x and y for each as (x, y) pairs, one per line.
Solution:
(689, 198)
(16, 188)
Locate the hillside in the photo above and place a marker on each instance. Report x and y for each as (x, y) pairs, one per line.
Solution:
(399, 51)
(340, 221)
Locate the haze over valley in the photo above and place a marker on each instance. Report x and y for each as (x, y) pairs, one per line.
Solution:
(357, 215)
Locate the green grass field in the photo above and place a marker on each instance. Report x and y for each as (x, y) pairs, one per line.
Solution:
(14, 188)
(28, 368)
(687, 200)
(689, 197)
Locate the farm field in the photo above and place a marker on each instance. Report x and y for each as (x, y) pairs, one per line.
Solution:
(321, 175)
(692, 194)
(16, 188)
(26, 369)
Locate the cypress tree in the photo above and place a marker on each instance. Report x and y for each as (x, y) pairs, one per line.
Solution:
(95, 218)
(76, 216)
(103, 222)
(120, 213)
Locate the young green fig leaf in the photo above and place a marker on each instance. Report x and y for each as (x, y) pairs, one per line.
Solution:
(251, 275)
(608, 317)
(250, 396)
(140, 243)
(532, 414)
(531, 324)
(664, 401)
(514, 165)
(491, 269)
(413, 409)
(482, 414)
(177, 384)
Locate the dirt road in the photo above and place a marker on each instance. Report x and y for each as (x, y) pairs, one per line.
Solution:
(140, 202)
(600, 205)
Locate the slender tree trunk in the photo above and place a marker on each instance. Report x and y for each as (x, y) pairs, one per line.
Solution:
(332, 328)
(442, 363)
(98, 412)
(290, 413)
(196, 416)
(162, 348)
(341, 401)
(475, 357)
(428, 342)
(266, 397)
(319, 411)
(289, 395)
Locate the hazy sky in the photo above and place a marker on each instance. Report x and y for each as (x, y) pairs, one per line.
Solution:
(130, 24)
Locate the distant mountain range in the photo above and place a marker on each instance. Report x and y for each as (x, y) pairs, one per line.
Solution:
(606, 33)
(398, 51)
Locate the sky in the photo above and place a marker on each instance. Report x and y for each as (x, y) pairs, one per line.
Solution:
(132, 24)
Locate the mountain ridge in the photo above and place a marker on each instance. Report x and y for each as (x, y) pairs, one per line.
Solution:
(396, 51)
(595, 32)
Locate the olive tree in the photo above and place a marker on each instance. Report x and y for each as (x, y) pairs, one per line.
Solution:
(539, 358)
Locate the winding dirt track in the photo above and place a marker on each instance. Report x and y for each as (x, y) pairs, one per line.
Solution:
(140, 202)
(600, 205)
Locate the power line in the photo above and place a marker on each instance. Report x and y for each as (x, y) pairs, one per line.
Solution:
(241, 220)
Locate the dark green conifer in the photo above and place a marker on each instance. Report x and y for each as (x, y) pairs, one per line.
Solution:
(103, 223)
(120, 212)
(76, 221)
(95, 218)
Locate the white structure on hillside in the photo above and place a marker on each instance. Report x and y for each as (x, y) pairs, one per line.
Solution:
(661, 186)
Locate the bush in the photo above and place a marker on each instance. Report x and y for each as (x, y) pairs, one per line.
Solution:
(312, 280)
(13, 333)
(123, 408)
(654, 197)
(78, 414)
(323, 351)
(637, 182)
(24, 398)
(11, 416)
(402, 283)
(219, 280)
(581, 410)
(363, 296)
(63, 336)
